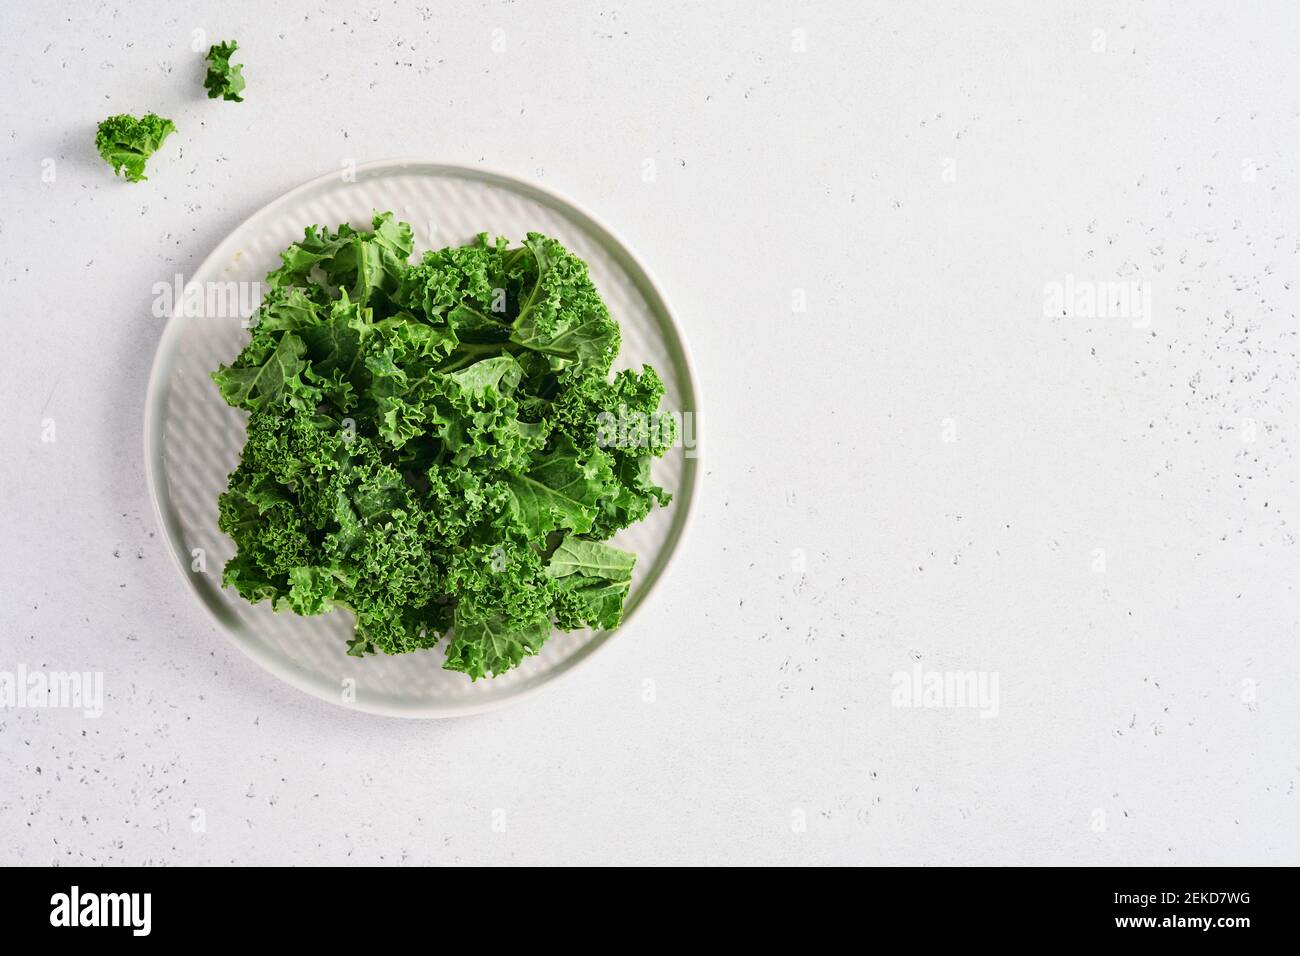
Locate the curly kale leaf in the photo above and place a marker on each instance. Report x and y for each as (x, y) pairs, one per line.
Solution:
(562, 316)
(223, 78)
(560, 490)
(438, 446)
(365, 264)
(257, 382)
(494, 646)
(594, 579)
(126, 142)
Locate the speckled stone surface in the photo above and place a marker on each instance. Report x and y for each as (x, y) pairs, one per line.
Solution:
(916, 459)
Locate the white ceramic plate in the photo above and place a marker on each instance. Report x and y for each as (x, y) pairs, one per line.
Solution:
(193, 439)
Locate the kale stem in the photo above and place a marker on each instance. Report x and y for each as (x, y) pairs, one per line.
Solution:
(469, 352)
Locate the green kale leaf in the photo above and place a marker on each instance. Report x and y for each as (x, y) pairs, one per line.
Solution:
(223, 78)
(126, 142)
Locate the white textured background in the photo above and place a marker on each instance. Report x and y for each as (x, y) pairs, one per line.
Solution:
(1125, 691)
